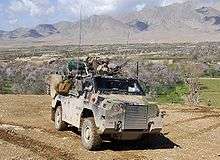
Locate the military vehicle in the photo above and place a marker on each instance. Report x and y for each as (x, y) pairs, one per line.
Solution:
(106, 108)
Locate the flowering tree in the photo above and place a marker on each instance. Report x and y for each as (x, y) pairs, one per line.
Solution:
(191, 72)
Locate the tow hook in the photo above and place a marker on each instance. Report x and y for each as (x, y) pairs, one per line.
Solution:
(149, 126)
(150, 123)
(118, 126)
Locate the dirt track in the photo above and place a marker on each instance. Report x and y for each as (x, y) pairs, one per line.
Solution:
(26, 132)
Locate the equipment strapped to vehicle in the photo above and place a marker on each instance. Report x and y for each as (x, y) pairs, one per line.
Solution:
(78, 70)
(64, 87)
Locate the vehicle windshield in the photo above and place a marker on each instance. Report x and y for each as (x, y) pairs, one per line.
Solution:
(118, 86)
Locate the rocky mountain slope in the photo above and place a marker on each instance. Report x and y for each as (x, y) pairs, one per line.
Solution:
(176, 17)
(217, 6)
(194, 20)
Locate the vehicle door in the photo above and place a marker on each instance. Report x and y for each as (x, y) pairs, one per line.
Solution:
(75, 109)
(66, 109)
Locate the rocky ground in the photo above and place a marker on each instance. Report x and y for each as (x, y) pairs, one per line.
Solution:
(26, 132)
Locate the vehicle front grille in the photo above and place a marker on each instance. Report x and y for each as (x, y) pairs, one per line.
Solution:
(135, 117)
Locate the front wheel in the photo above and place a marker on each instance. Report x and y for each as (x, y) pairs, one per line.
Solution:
(91, 140)
(59, 124)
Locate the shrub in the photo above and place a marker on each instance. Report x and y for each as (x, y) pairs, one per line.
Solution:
(6, 87)
(172, 94)
(213, 73)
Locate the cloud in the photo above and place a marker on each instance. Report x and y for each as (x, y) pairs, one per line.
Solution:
(104, 6)
(13, 21)
(169, 2)
(39, 8)
(198, 3)
(131, 5)
(50, 10)
(139, 7)
(33, 7)
(31, 12)
(89, 7)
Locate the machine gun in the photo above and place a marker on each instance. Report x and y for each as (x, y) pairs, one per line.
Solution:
(103, 67)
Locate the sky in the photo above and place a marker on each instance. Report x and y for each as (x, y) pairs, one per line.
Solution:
(28, 13)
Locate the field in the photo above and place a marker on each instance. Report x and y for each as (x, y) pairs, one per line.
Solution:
(26, 132)
(24, 70)
(148, 51)
(210, 92)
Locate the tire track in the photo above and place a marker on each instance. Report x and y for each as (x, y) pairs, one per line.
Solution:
(199, 110)
(54, 132)
(194, 119)
(199, 132)
(40, 148)
(210, 128)
(45, 150)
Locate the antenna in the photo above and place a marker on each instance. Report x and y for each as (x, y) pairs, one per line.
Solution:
(80, 36)
(137, 70)
(128, 37)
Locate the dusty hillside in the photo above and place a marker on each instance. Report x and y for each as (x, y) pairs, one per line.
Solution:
(181, 22)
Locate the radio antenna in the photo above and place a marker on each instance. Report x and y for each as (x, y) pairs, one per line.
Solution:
(128, 37)
(80, 37)
(137, 70)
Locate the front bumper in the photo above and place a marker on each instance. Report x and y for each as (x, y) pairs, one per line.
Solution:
(115, 129)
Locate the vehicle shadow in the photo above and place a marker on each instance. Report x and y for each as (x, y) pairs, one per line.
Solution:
(147, 143)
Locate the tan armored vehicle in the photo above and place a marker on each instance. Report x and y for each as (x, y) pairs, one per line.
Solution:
(107, 108)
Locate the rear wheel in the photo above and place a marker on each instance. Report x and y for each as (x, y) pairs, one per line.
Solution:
(91, 140)
(59, 124)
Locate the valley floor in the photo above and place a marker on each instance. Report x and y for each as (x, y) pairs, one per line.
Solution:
(26, 132)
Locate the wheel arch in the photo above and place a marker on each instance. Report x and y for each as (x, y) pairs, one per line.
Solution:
(53, 109)
(86, 113)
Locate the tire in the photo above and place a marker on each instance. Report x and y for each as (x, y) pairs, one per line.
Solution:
(91, 140)
(59, 124)
(53, 114)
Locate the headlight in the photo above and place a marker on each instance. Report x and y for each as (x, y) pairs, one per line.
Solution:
(118, 108)
(153, 110)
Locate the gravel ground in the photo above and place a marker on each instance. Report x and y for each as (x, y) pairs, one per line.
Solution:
(26, 132)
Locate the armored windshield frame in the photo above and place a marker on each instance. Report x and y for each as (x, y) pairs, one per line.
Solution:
(117, 90)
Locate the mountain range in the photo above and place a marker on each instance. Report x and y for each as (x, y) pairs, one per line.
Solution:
(192, 21)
